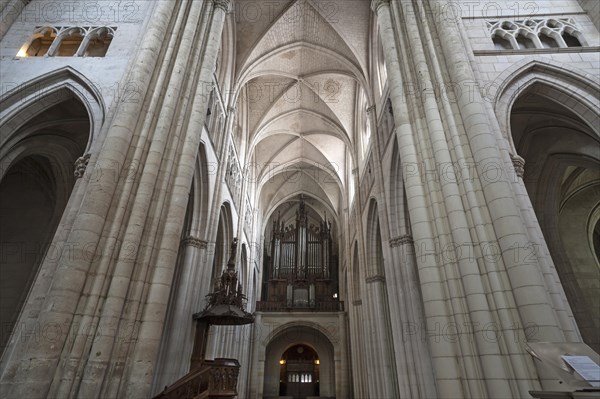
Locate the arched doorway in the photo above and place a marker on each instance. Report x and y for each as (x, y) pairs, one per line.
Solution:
(299, 372)
(300, 352)
(562, 177)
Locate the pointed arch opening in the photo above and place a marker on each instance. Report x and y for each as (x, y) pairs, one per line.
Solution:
(35, 187)
(69, 42)
(223, 241)
(562, 178)
(374, 243)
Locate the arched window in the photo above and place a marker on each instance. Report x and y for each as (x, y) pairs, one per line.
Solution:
(98, 42)
(382, 68)
(41, 43)
(70, 42)
(375, 246)
(570, 40)
(222, 243)
(501, 43)
(548, 42)
(367, 131)
(525, 42)
(364, 131)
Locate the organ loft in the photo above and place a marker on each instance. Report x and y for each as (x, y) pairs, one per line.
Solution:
(301, 267)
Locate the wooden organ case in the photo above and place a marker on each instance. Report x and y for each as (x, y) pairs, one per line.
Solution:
(301, 266)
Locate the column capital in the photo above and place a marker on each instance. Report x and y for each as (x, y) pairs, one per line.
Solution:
(222, 4)
(194, 242)
(81, 165)
(405, 239)
(370, 109)
(378, 278)
(376, 4)
(519, 165)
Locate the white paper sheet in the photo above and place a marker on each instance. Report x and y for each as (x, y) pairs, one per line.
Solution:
(586, 368)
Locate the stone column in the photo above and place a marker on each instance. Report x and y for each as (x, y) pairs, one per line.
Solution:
(358, 349)
(412, 353)
(526, 277)
(127, 306)
(416, 196)
(530, 290)
(344, 369)
(58, 304)
(257, 367)
(180, 328)
(472, 290)
(151, 325)
(382, 382)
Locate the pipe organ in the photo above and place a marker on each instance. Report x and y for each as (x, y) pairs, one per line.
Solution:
(301, 266)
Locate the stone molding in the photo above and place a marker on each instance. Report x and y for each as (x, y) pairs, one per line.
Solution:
(194, 242)
(398, 241)
(81, 165)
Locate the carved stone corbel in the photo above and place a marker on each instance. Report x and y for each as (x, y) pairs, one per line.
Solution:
(519, 165)
(81, 165)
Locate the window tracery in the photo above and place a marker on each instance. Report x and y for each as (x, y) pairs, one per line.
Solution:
(535, 33)
(68, 41)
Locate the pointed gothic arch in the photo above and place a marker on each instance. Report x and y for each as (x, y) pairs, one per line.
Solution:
(562, 178)
(560, 82)
(45, 133)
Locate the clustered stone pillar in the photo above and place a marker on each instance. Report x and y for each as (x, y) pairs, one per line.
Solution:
(443, 221)
(415, 191)
(382, 381)
(531, 273)
(505, 214)
(111, 306)
(178, 193)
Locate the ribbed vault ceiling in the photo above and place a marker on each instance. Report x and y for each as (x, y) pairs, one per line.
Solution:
(303, 64)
